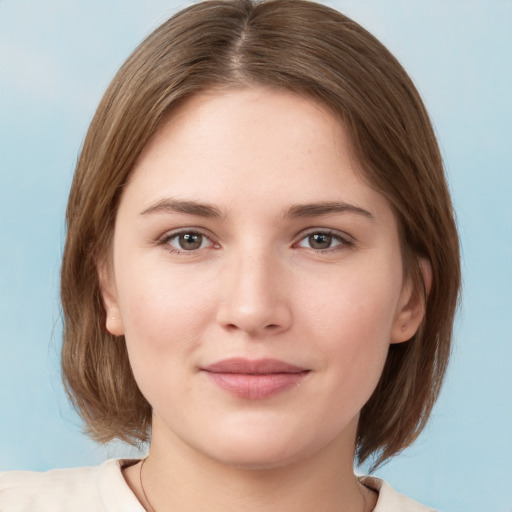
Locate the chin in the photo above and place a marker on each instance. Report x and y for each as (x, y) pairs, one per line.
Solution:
(271, 451)
(255, 460)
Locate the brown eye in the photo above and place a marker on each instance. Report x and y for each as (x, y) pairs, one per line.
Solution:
(325, 241)
(187, 241)
(190, 241)
(320, 240)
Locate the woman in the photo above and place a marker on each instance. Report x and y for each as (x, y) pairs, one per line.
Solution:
(260, 273)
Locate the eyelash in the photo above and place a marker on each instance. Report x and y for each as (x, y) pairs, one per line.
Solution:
(168, 237)
(344, 241)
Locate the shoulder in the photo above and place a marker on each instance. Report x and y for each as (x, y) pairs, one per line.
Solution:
(101, 488)
(391, 501)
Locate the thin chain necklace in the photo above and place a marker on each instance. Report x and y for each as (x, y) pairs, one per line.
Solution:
(152, 509)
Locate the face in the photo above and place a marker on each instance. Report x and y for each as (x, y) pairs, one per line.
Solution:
(257, 280)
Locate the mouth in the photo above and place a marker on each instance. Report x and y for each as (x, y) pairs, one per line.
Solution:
(254, 379)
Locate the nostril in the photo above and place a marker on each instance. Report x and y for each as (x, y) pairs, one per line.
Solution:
(235, 327)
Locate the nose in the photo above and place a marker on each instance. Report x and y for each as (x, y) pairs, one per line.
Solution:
(255, 296)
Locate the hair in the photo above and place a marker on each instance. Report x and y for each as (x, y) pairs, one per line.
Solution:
(315, 51)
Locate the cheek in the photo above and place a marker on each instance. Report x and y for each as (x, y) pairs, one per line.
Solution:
(357, 304)
(164, 317)
(353, 324)
(163, 314)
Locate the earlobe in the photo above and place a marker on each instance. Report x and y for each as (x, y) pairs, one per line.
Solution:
(113, 320)
(411, 309)
(114, 323)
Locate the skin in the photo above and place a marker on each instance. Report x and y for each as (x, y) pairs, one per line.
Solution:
(256, 286)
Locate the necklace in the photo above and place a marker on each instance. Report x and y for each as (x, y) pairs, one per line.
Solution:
(363, 495)
(151, 508)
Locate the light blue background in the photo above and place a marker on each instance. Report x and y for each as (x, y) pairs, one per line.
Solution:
(57, 57)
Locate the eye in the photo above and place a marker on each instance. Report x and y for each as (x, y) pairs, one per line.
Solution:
(323, 241)
(187, 241)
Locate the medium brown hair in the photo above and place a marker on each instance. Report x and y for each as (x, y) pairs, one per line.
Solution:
(317, 52)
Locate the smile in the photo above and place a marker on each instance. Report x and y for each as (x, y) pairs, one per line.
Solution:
(256, 379)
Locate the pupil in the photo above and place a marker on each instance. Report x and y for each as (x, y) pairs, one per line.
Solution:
(320, 241)
(190, 241)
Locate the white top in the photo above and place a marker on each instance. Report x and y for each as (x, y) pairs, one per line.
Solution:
(104, 489)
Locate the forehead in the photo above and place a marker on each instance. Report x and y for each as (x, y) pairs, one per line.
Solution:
(257, 144)
(275, 115)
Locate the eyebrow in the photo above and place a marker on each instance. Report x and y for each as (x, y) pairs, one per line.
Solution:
(188, 207)
(325, 208)
(170, 205)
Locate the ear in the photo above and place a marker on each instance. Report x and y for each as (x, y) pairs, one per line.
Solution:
(411, 307)
(113, 321)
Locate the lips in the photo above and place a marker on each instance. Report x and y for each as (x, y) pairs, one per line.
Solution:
(254, 379)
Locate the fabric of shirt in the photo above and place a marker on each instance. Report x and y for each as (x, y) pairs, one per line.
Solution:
(104, 489)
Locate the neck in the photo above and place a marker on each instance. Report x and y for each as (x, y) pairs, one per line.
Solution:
(176, 477)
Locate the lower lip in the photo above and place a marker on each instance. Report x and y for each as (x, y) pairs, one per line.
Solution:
(256, 387)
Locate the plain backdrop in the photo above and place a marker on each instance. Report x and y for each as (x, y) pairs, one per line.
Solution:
(57, 57)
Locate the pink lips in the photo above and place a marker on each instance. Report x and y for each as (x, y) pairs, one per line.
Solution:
(254, 379)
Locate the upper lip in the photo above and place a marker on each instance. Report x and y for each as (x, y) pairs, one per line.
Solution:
(253, 366)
